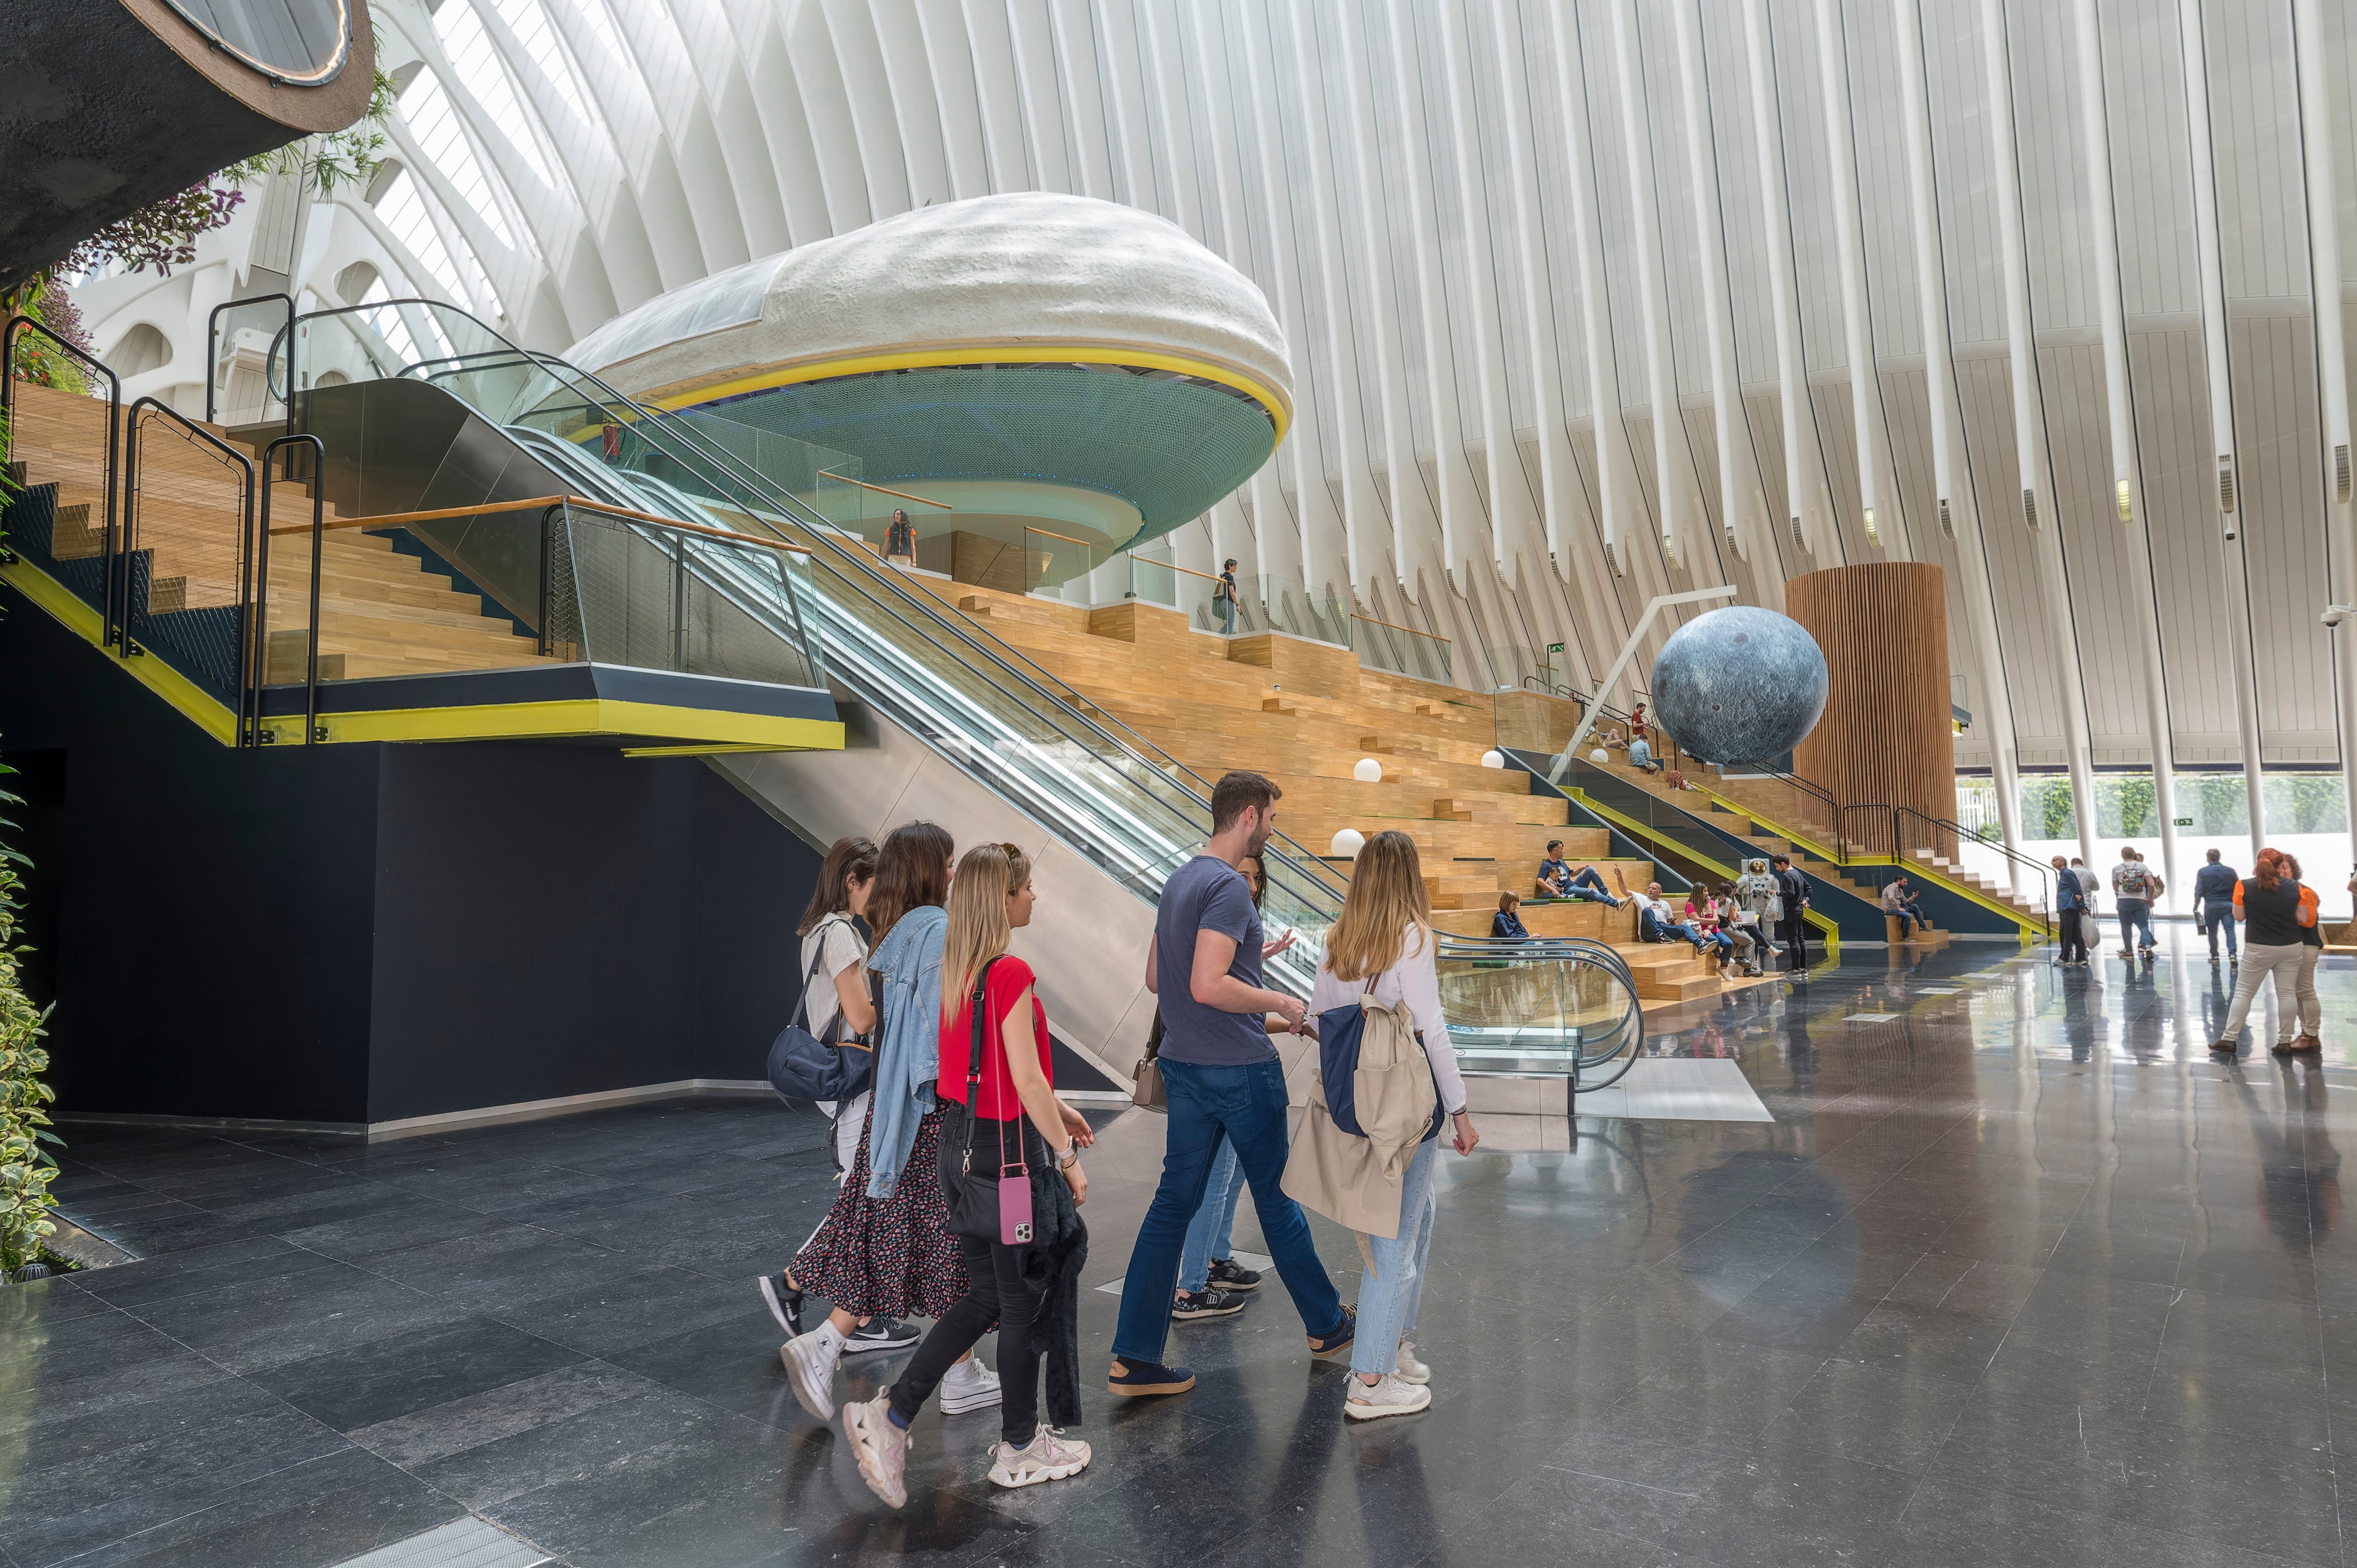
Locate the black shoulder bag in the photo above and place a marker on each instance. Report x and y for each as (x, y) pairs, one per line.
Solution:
(802, 1067)
(997, 1207)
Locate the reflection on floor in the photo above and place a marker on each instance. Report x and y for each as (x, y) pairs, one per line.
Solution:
(2017, 1274)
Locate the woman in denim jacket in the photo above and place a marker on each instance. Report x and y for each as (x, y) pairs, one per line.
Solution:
(885, 1249)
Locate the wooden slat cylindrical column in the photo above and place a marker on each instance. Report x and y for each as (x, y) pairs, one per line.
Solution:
(1887, 737)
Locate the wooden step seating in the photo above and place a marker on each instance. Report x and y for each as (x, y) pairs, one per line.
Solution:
(1305, 714)
(380, 613)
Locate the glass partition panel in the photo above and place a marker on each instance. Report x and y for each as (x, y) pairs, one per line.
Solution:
(1402, 651)
(1540, 1005)
(185, 535)
(248, 343)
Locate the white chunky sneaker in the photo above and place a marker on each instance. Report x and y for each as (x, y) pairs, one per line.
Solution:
(810, 1361)
(881, 1448)
(1410, 1369)
(1388, 1397)
(1048, 1456)
(969, 1385)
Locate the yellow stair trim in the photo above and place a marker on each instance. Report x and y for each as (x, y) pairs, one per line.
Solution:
(1827, 930)
(695, 728)
(199, 707)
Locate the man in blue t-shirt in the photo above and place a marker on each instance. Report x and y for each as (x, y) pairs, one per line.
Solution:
(1222, 1079)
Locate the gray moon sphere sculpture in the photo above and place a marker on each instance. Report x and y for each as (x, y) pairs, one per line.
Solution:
(1740, 685)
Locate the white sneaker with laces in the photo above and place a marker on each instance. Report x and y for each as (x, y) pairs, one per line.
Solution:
(969, 1385)
(810, 1361)
(1048, 1456)
(1410, 1369)
(881, 1448)
(1388, 1397)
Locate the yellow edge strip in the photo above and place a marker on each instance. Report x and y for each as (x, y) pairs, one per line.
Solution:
(1006, 353)
(2032, 929)
(1825, 924)
(199, 706)
(575, 717)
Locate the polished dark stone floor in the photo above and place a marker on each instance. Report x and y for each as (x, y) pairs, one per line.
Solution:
(2017, 1275)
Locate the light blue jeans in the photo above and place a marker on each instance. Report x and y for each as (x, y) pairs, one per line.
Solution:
(1210, 1234)
(1389, 1297)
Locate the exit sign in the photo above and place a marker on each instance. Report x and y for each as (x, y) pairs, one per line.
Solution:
(2185, 822)
(1554, 648)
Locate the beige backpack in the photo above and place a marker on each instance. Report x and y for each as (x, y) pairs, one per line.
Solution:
(1356, 1179)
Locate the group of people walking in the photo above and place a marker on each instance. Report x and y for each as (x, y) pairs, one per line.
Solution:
(962, 1112)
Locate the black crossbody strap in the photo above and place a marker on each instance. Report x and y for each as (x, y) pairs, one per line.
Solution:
(974, 1069)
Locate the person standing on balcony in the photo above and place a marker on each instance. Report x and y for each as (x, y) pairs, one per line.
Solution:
(2213, 905)
(1222, 1079)
(900, 538)
(1223, 597)
(2070, 909)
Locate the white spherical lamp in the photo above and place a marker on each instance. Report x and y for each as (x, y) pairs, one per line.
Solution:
(1493, 759)
(1346, 843)
(1367, 770)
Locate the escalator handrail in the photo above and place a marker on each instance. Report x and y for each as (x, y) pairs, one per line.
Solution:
(1069, 702)
(1574, 949)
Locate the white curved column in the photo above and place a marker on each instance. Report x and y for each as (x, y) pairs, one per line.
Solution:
(2310, 45)
(1885, 518)
(2096, 145)
(1509, 490)
(1808, 496)
(2029, 438)
(1955, 498)
(1742, 499)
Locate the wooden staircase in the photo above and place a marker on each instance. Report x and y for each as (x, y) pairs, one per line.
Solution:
(1305, 713)
(381, 612)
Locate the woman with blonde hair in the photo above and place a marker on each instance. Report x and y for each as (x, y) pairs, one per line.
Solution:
(884, 1251)
(1383, 946)
(1005, 1100)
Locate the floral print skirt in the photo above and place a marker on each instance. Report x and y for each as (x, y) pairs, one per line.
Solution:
(887, 1257)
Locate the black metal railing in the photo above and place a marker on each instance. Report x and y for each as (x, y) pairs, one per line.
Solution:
(121, 575)
(283, 393)
(17, 325)
(1911, 829)
(260, 669)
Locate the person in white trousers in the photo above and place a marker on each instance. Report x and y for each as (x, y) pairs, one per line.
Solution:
(2276, 913)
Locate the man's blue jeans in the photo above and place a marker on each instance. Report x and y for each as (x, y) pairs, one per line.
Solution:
(2217, 912)
(1212, 1234)
(2134, 913)
(1246, 1106)
(1590, 886)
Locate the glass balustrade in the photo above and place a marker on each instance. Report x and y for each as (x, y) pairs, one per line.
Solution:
(1540, 1006)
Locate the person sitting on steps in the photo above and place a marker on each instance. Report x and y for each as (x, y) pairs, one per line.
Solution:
(1897, 900)
(1640, 754)
(1505, 926)
(1703, 915)
(1656, 921)
(1557, 880)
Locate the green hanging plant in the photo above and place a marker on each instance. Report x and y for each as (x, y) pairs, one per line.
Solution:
(25, 1167)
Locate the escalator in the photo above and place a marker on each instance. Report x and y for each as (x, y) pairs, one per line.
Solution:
(942, 721)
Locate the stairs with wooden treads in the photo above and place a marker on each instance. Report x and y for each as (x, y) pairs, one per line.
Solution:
(380, 611)
(1306, 715)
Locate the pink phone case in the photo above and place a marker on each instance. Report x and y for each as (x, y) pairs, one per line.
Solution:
(1015, 1211)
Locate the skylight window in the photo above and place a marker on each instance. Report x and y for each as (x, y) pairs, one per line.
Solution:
(478, 67)
(431, 121)
(529, 23)
(403, 211)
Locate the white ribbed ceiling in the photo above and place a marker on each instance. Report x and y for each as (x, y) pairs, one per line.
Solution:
(1480, 221)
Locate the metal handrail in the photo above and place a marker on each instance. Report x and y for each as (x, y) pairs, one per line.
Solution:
(1574, 950)
(906, 607)
(248, 693)
(1900, 846)
(8, 335)
(1431, 636)
(311, 734)
(212, 363)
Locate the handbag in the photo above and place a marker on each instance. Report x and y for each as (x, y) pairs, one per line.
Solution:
(996, 1208)
(802, 1067)
(1145, 1091)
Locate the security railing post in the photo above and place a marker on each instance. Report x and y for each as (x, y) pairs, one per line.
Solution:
(679, 602)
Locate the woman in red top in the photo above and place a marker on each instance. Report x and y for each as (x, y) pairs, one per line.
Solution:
(990, 896)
